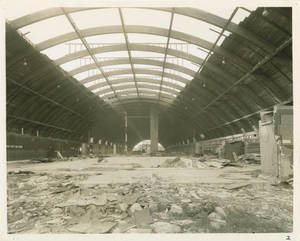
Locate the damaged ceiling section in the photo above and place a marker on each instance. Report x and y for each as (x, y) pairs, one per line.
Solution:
(209, 73)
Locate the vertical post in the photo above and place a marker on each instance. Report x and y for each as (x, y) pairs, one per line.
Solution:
(22, 131)
(126, 125)
(37, 132)
(153, 130)
(115, 149)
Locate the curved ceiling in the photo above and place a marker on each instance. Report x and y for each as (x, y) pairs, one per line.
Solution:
(170, 49)
(213, 70)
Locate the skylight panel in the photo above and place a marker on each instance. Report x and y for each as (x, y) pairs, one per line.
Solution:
(171, 88)
(106, 93)
(172, 71)
(122, 84)
(120, 76)
(146, 54)
(148, 83)
(63, 49)
(126, 90)
(94, 82)
(115, 54)
(105, 39)
(86, 74)
(239, 16)
(145, 66)
(149, 89)
(96, 18)
(134, 16)
(185, 63)
(74, 64)
(116, 67)
(174, 82)
(148, 95)
(149, 76)
(223, 12)
(101, 88)
(46, 29)
(194, 27)
(149, 39)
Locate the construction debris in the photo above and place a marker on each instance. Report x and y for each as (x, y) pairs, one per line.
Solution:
(251, 158)
(59, 202)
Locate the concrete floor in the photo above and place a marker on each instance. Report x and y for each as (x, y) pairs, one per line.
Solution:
(54, 185)
(120, 169)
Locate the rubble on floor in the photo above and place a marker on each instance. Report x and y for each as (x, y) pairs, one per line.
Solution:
(44, 202)
(209, 161)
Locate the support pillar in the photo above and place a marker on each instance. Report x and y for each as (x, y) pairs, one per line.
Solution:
(153, 130)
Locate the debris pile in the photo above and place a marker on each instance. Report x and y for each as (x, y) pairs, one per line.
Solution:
(250, 158)
(179, 162)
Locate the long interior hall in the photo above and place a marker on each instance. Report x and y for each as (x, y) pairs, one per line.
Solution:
(149, 119)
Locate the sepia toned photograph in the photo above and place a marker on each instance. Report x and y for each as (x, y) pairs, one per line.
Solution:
(148, 119)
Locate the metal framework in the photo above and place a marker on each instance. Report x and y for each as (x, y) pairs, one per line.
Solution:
(228, 102)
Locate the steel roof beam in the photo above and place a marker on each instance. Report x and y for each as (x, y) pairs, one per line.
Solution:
(145, 30)
(140, 85)
(126, 80)
(190, 12)
(166, 52)
(45, 97)
(248, 74)
(128, 50)
(141, 92)
(86, 45)
(145, 61)
(39, 123)
(138, 71)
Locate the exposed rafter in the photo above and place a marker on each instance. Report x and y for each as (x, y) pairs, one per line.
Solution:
(86, 45)
(166, 52)
(128, 50)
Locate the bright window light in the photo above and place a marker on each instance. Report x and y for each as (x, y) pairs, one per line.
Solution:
(94, 82)
(123, 84)
(134, 16)
(194, 27)
(126, 90)
(148, 83)
(145, 54)
(185, 63)
(101, 88)
(86, 74)
(150, 39)
(240, 16)
(96, 18)
(148, 95)
(171, 88)
(116, 67)
(172, 71)
(115, 54)
(149, 76)
(174, 82)
(120, 76)
(13, 11)
(105, 39)
(46, 29)
(107, 93)
(145, 66)
(63, 49)
(223, 12)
